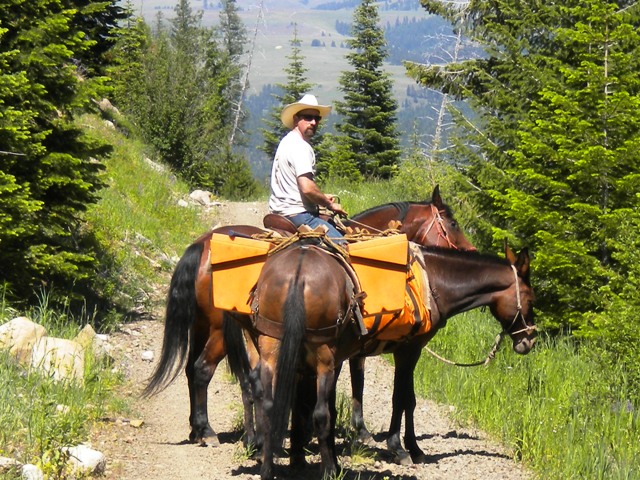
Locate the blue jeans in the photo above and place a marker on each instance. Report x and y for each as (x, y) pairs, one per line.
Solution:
(306, 218)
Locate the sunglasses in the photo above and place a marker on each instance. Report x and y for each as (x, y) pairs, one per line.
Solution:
(309, 118)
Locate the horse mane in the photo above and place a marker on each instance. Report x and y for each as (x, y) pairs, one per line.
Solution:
(401, 207)
(464, 254)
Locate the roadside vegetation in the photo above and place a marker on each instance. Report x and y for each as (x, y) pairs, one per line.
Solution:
(90, 222)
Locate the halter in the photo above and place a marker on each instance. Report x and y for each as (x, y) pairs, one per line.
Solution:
(527, 328)
(492, 353)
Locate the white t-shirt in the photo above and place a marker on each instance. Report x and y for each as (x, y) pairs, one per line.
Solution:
(294, 157)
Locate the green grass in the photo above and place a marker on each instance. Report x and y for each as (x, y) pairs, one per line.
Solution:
(39, 416)
(555, 409)
(141, 229)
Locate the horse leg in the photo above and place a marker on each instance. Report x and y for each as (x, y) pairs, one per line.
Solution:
(257, 409)
(403, 400)
(301, 430)
(323, 423)
(356, 368)
(408, 369)
(241, 357)
(264, 404)
(253, 440)
(199, 370)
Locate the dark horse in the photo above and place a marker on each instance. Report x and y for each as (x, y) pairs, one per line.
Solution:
(303, 324)
(194, 329)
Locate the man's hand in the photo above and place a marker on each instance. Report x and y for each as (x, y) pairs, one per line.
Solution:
(336, 208)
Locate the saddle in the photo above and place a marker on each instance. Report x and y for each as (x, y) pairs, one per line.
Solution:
(273, 221)
(280, 223)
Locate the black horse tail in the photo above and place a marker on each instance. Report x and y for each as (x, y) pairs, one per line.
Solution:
(237, 356)
(180, 316)
(288, 359)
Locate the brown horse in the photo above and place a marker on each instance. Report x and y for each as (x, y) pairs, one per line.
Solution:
(194, 329)
(304, 324)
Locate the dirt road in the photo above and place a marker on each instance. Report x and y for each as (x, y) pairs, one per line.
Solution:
(151, 442)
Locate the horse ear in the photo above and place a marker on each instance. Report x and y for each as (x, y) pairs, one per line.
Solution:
(508, 253)
(435, 197)
(523, 262)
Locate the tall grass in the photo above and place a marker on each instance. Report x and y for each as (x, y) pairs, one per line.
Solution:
(555, 409)
(39, 416)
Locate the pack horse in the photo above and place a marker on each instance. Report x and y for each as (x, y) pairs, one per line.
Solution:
(194, 328)
(304, 322)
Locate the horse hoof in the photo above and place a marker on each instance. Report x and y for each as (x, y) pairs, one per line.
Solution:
(404, 459)
(421, 458)
(210, 441)
(365, 438)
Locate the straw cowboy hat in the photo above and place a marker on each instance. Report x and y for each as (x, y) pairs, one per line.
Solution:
(306, 102)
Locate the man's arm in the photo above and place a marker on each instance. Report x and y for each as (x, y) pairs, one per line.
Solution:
(310, 190)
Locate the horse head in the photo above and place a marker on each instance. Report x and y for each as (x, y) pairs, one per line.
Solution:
(433, 223)
(514, 306)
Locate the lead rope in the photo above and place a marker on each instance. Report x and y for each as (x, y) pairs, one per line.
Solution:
(492, 353)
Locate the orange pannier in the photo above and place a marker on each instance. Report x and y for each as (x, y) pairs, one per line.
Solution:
(236, 263)
(413, 319)
(381, 266)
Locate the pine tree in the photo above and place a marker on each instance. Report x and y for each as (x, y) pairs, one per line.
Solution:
(189, 131)
(368, 137)
(232, 40)
(48, 168)
(297, 85)
(126, 66)
(553, 153)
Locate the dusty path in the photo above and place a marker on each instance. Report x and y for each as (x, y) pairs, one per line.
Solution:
(158, 448)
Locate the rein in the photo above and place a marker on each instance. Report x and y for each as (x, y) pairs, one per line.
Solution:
(422, 233)
(496, 344)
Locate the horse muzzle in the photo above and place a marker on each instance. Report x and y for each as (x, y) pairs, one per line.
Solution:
(523, 345)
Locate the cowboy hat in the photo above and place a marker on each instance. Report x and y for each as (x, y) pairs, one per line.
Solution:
(306, 102)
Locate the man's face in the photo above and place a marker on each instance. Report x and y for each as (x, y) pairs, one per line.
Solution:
(307, 122)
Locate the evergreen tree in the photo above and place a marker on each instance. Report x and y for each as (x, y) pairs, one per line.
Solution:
(127, 61)
(368, 139)
(233, 38)
(189, 131)
(292, 91)
(553, 155)
(48, 168)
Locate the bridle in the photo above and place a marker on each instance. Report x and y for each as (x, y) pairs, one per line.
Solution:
(423, 231)
(438, 223)
(528, 329)
(505, 331)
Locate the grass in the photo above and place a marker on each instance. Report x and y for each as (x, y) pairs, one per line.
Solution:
(39, 416)
(141, 229)
(555, 409)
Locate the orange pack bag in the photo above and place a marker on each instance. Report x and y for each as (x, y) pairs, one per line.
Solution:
(413, 318)
(381, 267)
(236, 264)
